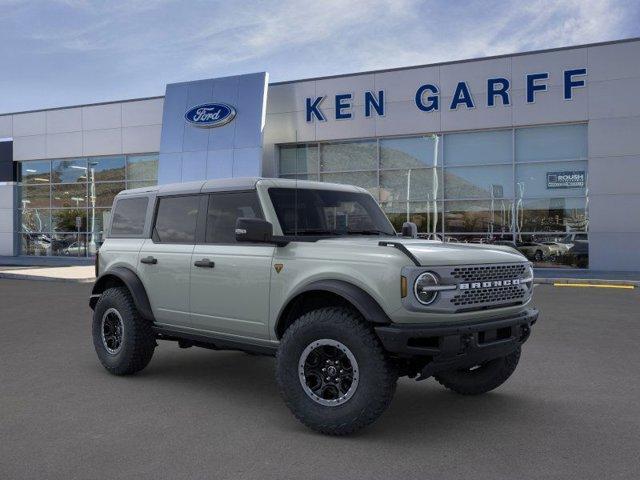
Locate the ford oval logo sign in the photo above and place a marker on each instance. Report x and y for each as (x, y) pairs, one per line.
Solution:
(210, 115)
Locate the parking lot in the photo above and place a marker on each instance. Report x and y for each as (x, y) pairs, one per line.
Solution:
(571, 410)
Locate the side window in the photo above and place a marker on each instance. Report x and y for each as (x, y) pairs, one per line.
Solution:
(129, 216)
(224, 209)
(176, 219)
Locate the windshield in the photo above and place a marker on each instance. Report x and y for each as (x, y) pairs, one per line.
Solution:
(312, 212)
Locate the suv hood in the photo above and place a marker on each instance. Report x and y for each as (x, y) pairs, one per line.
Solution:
(434, 252)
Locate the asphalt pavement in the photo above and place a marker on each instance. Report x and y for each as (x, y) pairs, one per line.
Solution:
(570, 411)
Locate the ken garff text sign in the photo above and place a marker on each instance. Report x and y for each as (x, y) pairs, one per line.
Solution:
(569, 179)
(427, 96)
(210, 115)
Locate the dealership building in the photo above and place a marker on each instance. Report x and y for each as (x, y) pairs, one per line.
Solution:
(540, 150)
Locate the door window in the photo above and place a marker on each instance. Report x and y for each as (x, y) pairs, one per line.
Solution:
(176, 219)
(224, 209)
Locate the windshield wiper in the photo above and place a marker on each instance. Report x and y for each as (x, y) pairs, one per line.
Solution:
(369, 232)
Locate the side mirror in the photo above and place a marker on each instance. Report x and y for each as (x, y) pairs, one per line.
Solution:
(410, 230)
(254, 230)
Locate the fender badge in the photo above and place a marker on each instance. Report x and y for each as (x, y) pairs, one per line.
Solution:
(278, 267)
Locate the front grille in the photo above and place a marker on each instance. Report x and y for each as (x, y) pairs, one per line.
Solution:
(489, 272)
(491, 295)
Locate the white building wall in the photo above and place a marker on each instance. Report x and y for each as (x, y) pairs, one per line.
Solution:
(108, 129)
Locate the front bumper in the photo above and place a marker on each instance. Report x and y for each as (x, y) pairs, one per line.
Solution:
(448, 346)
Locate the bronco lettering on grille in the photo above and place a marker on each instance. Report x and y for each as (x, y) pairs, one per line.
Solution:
(489, 284)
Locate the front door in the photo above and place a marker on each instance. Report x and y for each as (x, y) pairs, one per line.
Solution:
(229, 280)
(164, 263)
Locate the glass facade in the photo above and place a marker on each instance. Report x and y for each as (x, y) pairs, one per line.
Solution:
(64, 204)
(524, 187)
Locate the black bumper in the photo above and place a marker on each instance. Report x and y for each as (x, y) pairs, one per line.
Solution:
(459, 345)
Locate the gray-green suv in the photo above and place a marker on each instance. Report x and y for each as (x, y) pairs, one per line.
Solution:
(314, 274)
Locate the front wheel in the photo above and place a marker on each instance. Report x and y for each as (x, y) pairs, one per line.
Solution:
(333, 373)
(480, 378)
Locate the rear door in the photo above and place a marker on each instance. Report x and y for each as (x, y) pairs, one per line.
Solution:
(164, 263)
(230, 280)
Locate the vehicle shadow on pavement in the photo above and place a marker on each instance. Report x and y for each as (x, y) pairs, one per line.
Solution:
(248, 383)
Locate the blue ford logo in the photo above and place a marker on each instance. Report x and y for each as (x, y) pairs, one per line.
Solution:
(210, 115)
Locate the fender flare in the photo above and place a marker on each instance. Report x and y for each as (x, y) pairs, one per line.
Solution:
(364, 303)
(133, 284)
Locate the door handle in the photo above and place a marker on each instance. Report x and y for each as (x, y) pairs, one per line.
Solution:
(204, 263)
(149, 260)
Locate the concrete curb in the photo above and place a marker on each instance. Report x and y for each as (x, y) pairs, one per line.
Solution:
(588, 281)
(21, 276)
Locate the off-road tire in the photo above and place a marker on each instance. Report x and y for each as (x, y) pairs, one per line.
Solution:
(138, 340)
(377, 375)
(483, 379)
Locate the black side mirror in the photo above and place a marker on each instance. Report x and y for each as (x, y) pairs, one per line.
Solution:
(410, 230)
(254, 230)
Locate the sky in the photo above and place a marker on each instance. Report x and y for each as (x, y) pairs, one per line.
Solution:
(69, 52)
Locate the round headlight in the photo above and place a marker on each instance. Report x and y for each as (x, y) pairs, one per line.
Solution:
(423, 288)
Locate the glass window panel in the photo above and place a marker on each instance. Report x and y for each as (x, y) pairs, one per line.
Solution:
(69, 171)
(129, 216)
(426, 215)
(105, 169)
(302, 176)
(489, 217)
(98, 219)
(298, 159)
(558, 142)
(142, 167)
(478, 148)
(367, 180)
(552, 215)
(176, 219)
(69, 245)
(35, 196)
(36, 244)
(340, 157)
(555, 250)
(148, 183)
(35, 172)
(479, 182)
(223, 212)
(105, 193)
(418, 185)
(64, 219)
(35, 220)
(410, 152)
(531, 179)
(69, 195)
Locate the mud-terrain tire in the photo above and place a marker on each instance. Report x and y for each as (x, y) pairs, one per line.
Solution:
(480, 379)
(345, 331)
(128, 341)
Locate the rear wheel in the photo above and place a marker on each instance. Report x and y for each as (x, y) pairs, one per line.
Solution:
(538, 256)
(122, 339)
(333, 373)
(480, 378)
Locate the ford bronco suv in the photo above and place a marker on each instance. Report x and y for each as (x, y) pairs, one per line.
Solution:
(314, 274)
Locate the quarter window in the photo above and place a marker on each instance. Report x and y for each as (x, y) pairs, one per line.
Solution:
(176, 219)
(129, 216)
(224, 209)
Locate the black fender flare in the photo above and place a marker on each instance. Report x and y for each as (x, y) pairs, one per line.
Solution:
(133, 284)
(364, 303)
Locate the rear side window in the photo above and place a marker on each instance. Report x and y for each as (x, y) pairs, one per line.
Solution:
(176, 219)
(129, 216)
(224, 209)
